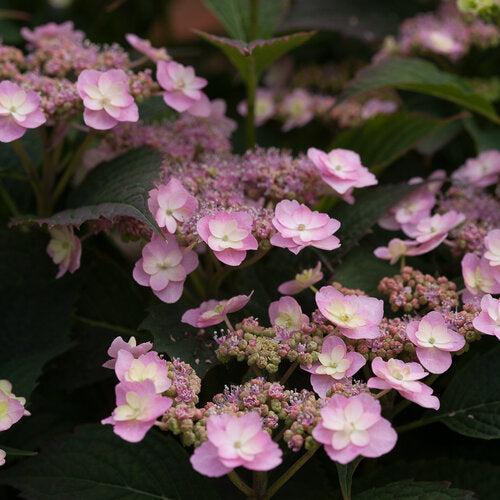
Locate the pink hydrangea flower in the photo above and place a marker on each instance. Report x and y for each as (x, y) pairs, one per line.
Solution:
(480, 172)
(356, 316)
(488, 320)
(144, 47)
(19, 110)
(302, 281)
(147, 366)
(441, 41)
(398, 248)
(299, 227)
(334, 363)
(171, 203)
(354, 426)
(2, 457)
(235, 442)
(182, 86)
(404, 378)
(297, 108)
(52, 33)
(229, 235)
(213, 312)
(164, 267)
(492, 244)
(65, 249)
(286, 313)
(11, 407)
(106, 98)
(264, 106)
(479, 276)
(131, 346)
(342, 170)
(434, 341)
(374, 107)
(137, 408)
(434, 229)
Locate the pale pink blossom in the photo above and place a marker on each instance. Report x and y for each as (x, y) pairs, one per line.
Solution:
(11, 407)
(53, 33)
(334, 364)
(342, 170)
(299, 227)
(235, 442)
(297, 108)
(286, 313)
(144, 47)
(19, 111)
(488, 320)
(404, 378)
(356, 316)
(164, 267)
(137, 408)
(106, 98)
(433, 230)
(264, 106)
(302, 281)
(171, 203)
(2, 457)
(213, 312)
(492, 244)
(441, 41)
(434, 341)
(480, 172)
(352, 427)
(147, 366)
(396, 249)
(229, 235)
(130, 346)
(65, 249)
(479, 276)
(375, 106)
(182, 87)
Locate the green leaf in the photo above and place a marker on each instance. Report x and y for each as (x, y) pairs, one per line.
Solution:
(251, 59)
(154, 110)
(179, 340)
(471, 403)
(385, 138)
(420, 76)
(346, 473)
(413, 490)
(115, 188)
(14, 452)
(95, 464)
(483, 138)
(441, 136)
(35, 321)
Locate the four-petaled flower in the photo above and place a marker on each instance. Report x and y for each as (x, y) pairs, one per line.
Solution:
(287, 314)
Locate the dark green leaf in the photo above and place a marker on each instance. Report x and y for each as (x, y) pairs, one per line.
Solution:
(154, 110)
(413, 490)
(440, 136)
(14, 452)
(420, 76)
(115, 188)
(94, 464)
(483, 138)
(253, 58)
(346, 473)
(179, 340)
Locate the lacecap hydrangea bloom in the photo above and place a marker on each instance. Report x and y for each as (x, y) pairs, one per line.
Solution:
(488, 320)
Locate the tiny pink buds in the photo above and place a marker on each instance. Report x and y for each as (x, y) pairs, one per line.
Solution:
(342, 170)
(352, 427)
(11, 406)
(488, 320)
(299, 227)
(286, 313)
(403, 377)
(65, 249)
(19, 111)
(145, 48)
(482, 171)
(235, 442)
(229, 235)
(479, 276)
(434, 341)
(302, 281)
(171, 203)
(334, 364)
(492, 244)
(213, 312)
(164, 267)
(131, 346)
(182, 87)
(138, 407)
(356, 316)
(106, 98)
(52, 33)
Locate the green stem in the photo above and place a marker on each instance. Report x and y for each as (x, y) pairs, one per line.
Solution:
(240, 484)
(8, 200)
(290, 472)
(289, 372)
(313, 288)
(259, 484)
(251, 84)
(28, 167)
(382, 393)
(418, 423)
(107, 326)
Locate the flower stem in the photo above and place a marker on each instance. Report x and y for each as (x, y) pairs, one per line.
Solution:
(259, 484)
(240, 484)
(289, 372)
(28, 167)
(313, 288)
(382, 393)
(103, 324)
(290, 472)
(251, 84)
(8, 200)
